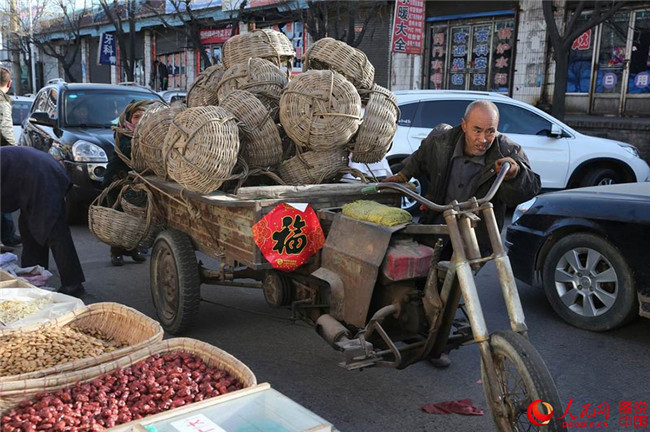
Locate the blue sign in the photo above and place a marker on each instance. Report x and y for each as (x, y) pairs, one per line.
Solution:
(107, 54)
(609, 80)
(642, 80)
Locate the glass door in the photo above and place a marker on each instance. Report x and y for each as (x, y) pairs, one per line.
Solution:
(638, 83)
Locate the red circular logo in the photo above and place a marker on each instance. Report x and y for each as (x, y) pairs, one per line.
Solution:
(535, 414)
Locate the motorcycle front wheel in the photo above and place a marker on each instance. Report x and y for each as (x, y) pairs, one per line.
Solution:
(522, 378)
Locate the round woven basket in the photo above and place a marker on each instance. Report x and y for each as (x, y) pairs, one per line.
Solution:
(262, 43)
(135, 162)
(204, 89)
(258, 76)
(203, 145)
(115, 227)
(328, 53)
(320, 110)
(135, 203)
(378, 127)
(259, 136)
(150, 137)
(314, 167)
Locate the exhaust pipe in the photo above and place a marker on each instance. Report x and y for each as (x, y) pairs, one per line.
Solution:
(332, 330)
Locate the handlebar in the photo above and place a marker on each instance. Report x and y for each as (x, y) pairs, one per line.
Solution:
(377, 188)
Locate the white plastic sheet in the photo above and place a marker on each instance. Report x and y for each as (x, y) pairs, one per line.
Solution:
(59, 304)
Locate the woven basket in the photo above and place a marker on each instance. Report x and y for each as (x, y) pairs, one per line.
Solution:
(261, 145)
(136, 162)
(115, 227)
(203, 143)
(112, 319)
(320, 110)
(15, 392)
(204, 89)
(258, 76)
(135, 203)
(378, 127)
(262, 43)
(314, 167)
(328, 53)
(150, 137)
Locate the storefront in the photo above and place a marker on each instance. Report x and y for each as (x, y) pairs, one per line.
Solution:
(213, 40)
(472, 52)
(609, 67)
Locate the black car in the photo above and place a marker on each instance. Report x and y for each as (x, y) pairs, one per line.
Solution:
(73, 123)
(588, 248)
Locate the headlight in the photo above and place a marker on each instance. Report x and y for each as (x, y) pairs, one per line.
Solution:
(522, 208)
(630, 149)
(84, 151)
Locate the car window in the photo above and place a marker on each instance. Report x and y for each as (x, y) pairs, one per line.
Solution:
(98, 108)
(407, 114)
(40, 103)
(432, 113)
(20, 111)
(516, 120)
(51, 103)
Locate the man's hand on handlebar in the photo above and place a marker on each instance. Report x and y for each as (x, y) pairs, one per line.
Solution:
(397, 178)
(512, 172)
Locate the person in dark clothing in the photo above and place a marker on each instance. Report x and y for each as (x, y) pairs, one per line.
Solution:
(36, 184)
(117, 169)
(163, 74)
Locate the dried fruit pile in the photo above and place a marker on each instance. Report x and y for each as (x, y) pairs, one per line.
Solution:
(150, 386)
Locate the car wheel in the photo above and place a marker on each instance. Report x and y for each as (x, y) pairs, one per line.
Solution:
(600, 176)
(421, 187)
(589, 284)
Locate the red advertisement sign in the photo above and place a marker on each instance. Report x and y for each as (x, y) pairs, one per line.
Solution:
(288, 237)
(215, 36)
(408, 27)
(583, 42)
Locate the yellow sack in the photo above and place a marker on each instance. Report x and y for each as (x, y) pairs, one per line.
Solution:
(371, 211)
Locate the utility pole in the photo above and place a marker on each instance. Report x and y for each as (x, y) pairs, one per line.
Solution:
(14, 47)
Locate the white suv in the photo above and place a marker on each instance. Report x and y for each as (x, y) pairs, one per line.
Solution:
(563, 157)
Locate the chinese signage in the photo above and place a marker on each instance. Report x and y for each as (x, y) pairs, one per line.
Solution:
(459, 43)
(632, 414)
(289, 235)
(438, 56)
(215, 36)
(502, 56)
(408, 27)
(583, 42)
(107, 53)
(480, 57)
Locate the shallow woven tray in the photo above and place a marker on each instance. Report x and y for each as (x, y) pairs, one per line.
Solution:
(378, 127)
(113, 319)
(262, 43)
(258, 76)
(320, 110)
(150, 137)
(314, 167)
(13, 393)
(259, 136)
(204, 88)
(203, 143)
(328, 53)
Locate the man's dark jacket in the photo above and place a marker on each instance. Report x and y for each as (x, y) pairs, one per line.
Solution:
(34, 182)
(433, 159)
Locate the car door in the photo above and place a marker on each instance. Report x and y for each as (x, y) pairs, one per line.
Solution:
(430, 114)
(400, 141)
(549, 155)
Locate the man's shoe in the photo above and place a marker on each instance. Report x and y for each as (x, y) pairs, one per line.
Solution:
(442, 362)
(137, 256)
(73, 290)
(13, 242)
(117, 260)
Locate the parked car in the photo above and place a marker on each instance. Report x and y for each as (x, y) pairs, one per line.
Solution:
(173, 95)
(73, 123)
(588, 248)
(563, 157)
(19, 112)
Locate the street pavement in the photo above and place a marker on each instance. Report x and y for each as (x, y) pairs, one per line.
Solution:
(589, 368)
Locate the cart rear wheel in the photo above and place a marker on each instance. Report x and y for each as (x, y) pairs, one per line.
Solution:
(175, 282)
(522, 377)
(277, 289)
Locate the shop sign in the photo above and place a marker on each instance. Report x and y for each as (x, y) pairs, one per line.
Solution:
(641, 80)
(215, 36)
(582, 42)
(408, 27)
(609, 80)
(107, 53)
(289, 235)
(439, 43)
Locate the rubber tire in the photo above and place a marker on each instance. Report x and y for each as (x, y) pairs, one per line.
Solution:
(76, 212)
(625, 307)
(424, 187)
(283, 289)
(595, 176)
(187, 284)
(531, 368)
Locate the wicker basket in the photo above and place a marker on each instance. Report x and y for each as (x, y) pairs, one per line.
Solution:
(258, 76)
(314, 167)
(112, 319)
(265, 43)
(204, 89)
(15, 392)
(134, 202)
(203, 143)
(320, 110)
(150, 137)
(328, 53)
(136, 162)
(378, 127)
(261, 145)
(115, 227)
